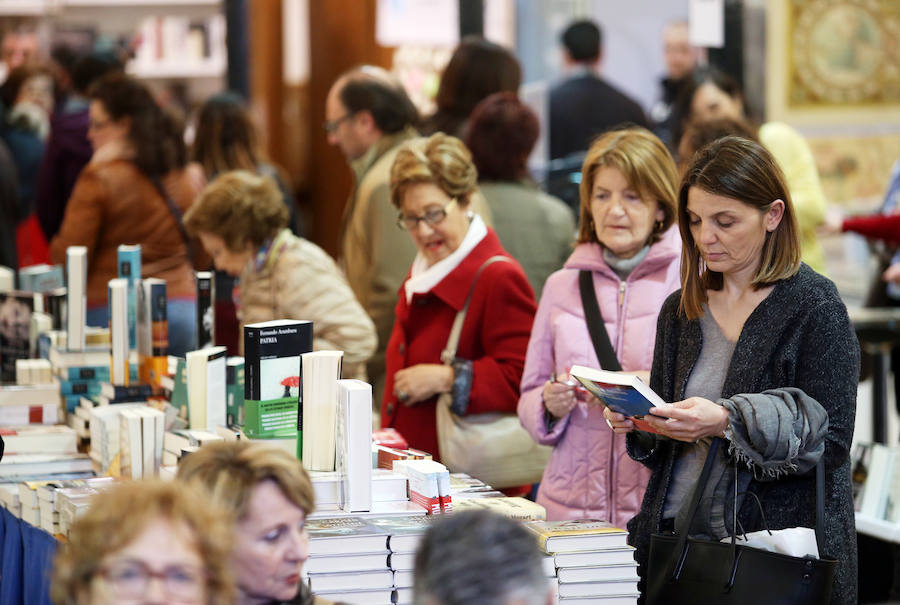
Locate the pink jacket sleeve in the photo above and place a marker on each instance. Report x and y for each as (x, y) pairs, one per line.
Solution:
(539, 364)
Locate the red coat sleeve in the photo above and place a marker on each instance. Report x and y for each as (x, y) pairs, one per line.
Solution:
(876, 226)
(504, 327)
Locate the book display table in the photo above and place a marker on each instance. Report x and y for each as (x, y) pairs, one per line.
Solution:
(26, 561)
(878, 330)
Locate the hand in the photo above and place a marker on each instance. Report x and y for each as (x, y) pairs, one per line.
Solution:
(421, 382)
(833, 223)
(690, 420)
(618, 422)
(892, 274)
(559, 397)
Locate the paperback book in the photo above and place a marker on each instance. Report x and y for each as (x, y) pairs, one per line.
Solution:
(623, 393)
(153, 331)
(15, 331)
(117, 299)
(129, 257)
(577, 535)
(272, 391)
(206, 388)
(205, 309)
(76, 297)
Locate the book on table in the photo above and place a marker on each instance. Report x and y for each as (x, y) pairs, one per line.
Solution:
(352, 562)
(317, 421)
(129, 259)
(597, 573)
(623, 393)
(206, 377)
(56, 439)
(338, 535)
(405, 533)
(577, 535)
(604, 556)
(117, 301)
(76, 297)
(619, 599)
(377, 596)
(383, 578)
(514, 508)
(353, 438)
(205, 309)
(599, 588)
(272, 389)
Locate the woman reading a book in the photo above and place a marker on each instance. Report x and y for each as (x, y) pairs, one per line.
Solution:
(268, 495)
(133, 191)
(756, 349)
(631, 255)
(242, 221)
(432, 184)
(146, 542)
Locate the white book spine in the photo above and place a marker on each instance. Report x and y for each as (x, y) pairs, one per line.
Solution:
(76, 296)
(354, 436)
(118, 328)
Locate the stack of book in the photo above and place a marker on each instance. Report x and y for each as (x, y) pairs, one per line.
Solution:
(177, 444)
(105, 427)
(389, 492)
(70, 502)
(33, 371)
(141, 431)
(404, 535)
(29, 404)
(44, 495)
(348, 561)
(594, 564)
(517, 508)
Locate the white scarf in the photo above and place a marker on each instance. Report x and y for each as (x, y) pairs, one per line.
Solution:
(423, 278)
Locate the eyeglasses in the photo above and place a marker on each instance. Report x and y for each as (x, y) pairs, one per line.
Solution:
(430, 218)
(129, 580)
(97, 124)
(332, 125)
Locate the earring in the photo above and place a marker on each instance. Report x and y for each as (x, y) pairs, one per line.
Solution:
(470, 215)
(659, 226)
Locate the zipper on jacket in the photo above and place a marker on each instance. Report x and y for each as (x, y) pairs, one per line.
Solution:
(612, 489)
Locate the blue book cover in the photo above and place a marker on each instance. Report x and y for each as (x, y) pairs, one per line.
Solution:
(130, 269)
(622, 393)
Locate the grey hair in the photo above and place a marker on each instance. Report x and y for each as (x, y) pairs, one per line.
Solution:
(479, 557)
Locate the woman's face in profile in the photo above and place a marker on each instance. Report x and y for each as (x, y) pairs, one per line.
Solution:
(711, 102)
(623, 220)
(224, 258)
(271, 546)
(435, 239)
(161, 565)
(102, 129)
(728, 233)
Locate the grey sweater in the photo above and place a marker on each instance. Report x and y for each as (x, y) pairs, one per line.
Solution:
(799, 336)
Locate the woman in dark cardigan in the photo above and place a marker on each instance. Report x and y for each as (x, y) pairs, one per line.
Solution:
(757, 349)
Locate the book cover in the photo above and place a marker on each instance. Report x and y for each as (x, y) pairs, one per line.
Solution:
(338, 535)
(346, 563)
(117, 302)
(41, 278)
(206, 388)
(56, 439)
(15, 331)
(577, 535)
(79, 387)
(55, 307)
(20, 465)
(129, 257)
(623, 393)
(592, 573)
(354, 443)
(272, 388)
(131, 444)
(405, 532)
(514, 508)
(76, 296)
(205, 309)
(131, 392)
(153, 331)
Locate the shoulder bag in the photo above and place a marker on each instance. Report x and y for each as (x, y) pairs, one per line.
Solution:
(492, 447)
(684, 570)
(177, 215)
(594, 319)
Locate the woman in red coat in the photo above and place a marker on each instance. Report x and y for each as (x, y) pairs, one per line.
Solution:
(432, 182)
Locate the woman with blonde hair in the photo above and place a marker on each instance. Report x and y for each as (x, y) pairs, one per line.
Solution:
(758, 357)
(628, 254)
(269, 496)
(145, 542)
(433, 182)
(241, 221)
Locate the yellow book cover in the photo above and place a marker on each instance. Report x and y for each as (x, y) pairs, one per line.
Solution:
(577, 535)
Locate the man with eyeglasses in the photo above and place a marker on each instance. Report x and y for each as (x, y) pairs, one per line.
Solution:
(368, 117)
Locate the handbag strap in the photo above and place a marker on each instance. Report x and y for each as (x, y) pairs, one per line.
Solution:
(594, 319)
(681, 547)
(176, 214)
(449, 352)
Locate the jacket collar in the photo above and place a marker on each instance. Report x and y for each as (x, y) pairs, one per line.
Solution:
(454, 288)
(361, 165)
(589, 256)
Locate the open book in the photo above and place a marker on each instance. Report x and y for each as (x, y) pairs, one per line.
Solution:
(623, 393)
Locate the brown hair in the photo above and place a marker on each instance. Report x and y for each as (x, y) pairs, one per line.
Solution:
(502, 132)
(240, 207)
(119, 515)
(230, 470)
(742, 170)
(441, 160)
(701, 133)
(644, 162)
(225, 139)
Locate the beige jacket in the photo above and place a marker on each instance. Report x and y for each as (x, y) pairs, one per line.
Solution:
(298, 280)
(375, 254)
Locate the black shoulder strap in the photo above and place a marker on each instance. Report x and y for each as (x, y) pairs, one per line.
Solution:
(176, 213)
(605, 354)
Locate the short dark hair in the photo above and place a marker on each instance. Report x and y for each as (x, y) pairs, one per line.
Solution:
(155, 135)
(502, 132)
(390, 106)
(478, 557)
(91, 67)
(583, 39)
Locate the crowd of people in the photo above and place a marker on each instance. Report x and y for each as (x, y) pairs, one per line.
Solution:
(691, 261)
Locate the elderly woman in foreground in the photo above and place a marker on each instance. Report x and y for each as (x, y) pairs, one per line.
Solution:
(756, 349)
(146, 542)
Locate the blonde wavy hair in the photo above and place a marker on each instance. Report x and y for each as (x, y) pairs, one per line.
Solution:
(119, 515)
(441, 160)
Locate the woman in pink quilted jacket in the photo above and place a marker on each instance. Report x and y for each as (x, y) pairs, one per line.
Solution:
(625, 240)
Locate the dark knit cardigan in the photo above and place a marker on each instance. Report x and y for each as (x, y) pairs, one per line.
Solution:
(799, 336)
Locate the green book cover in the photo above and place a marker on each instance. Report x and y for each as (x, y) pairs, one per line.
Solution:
(272, 388)
(180, 391)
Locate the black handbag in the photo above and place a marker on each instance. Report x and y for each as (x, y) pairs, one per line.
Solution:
(684, 570)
